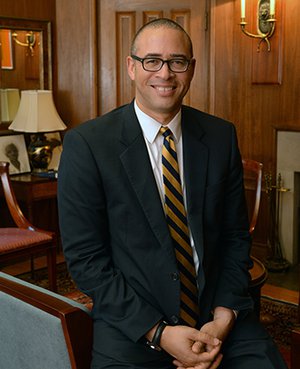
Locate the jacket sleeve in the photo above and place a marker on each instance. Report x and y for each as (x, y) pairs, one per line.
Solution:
(235, 240)
(84, 228)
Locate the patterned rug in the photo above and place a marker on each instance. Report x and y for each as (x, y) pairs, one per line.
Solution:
(278, 317)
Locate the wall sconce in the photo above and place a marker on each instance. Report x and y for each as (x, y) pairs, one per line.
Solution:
(30, 41)
(265, 21)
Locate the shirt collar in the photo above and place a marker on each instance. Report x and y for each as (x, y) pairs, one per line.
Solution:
(151, 127)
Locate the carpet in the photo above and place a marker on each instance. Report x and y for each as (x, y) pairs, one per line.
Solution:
(278, 317)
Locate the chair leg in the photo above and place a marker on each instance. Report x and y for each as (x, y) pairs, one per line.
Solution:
(51, 262)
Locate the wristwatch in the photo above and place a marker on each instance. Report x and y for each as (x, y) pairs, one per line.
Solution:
(154, 344)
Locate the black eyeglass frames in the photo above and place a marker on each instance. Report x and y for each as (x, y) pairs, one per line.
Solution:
(152, 64)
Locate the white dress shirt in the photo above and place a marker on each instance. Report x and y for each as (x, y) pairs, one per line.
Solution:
(154, 143)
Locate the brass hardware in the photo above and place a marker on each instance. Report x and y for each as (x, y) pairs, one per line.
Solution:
(30, 41)
(265, 22)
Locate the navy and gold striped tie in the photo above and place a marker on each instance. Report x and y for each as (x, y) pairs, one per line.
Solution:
(177, 222)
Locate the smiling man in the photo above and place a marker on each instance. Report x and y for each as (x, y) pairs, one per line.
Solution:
(163, 74)
(154, 224)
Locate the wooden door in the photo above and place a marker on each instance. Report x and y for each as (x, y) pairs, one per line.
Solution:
(119, 20)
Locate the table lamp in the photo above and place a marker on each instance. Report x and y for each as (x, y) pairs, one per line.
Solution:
(10, 100)
(37, 115)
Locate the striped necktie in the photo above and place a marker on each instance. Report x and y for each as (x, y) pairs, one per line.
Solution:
(177, 222)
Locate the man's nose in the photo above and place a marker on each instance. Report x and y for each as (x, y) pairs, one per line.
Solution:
(165, 71)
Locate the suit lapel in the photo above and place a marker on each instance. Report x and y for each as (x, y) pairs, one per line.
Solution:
(137, 165)
(195, 163)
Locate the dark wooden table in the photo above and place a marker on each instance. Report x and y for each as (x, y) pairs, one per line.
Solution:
(30, 189)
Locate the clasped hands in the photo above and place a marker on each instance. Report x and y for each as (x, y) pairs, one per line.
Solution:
(198, 349)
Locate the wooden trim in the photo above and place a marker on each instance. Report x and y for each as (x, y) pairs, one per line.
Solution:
(93, 24)
(125, 30)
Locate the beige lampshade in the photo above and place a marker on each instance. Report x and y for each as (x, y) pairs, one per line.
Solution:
(10, 100)
(37, 113)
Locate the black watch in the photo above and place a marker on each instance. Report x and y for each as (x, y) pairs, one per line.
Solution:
(154, 344)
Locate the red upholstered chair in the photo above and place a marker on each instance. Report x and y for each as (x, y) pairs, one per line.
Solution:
(24, 240)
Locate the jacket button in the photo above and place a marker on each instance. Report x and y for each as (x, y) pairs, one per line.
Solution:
(174, 319)
(175, 276)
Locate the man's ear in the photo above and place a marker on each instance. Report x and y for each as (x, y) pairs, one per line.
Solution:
(192, 66)
(130, 67)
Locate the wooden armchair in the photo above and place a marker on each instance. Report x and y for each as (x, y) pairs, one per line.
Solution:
(253, 171)
(253, 175)
(24, 240)
(41, 329)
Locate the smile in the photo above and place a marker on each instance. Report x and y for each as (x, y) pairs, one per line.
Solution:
(164, 89)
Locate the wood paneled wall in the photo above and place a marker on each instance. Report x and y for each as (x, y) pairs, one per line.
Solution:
(257, 110)
(33, 9)
(77, 50)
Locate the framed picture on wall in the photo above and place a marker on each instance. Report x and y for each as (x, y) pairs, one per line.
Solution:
(7, 54)
(13, 150)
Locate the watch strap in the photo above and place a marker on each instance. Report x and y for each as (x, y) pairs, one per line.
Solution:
(155, 343)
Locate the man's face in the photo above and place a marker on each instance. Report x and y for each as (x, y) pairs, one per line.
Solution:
(11, 152)
(160, 94)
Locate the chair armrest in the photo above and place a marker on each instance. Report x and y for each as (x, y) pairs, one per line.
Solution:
(75, 318)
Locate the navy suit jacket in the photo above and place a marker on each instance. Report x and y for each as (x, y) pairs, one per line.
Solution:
(115, 237)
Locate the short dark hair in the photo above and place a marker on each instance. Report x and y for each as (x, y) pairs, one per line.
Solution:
(157, 23)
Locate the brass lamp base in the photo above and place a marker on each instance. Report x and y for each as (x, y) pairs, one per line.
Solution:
(39, 152)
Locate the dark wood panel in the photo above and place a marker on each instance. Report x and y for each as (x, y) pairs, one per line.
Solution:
(125, 30)
(76, 60)
(190, 14)
(34, 9)
(255, 109)
(151, 15)
(267, 64)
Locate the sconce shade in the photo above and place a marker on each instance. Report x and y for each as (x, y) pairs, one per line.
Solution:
(10, 100)
(37, 113)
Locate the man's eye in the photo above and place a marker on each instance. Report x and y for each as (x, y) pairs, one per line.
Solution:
(178, 62)
(152, 62)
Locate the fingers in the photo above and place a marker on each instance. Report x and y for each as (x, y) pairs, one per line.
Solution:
(206, 360)
(209, 357)
(207, 365)
(217, 362)
(206, 338)
(198, 347)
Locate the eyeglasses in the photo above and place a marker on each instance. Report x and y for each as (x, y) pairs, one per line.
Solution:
(178, 65)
